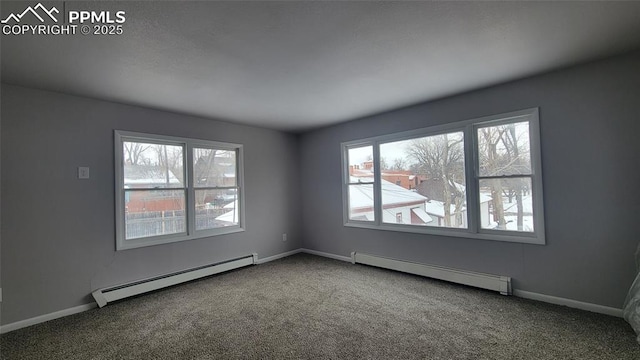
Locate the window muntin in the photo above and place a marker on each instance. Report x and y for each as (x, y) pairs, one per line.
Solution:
(160, 200)
(514, 170)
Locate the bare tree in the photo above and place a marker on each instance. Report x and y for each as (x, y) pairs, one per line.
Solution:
(489, 153)
(383, 164)
(504, 152)
(133, 152)
(514, 157)
(170, 160)
(441, 157)
(205, 174)
(399, 164)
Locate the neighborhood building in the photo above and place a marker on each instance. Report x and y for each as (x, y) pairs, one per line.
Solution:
(399, 205)
(151, 177)
(407, 199)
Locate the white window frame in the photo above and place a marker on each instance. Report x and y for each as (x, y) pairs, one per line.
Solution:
(472, 178)
(188, 145)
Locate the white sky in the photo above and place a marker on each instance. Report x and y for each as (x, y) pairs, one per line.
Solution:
(394, 150)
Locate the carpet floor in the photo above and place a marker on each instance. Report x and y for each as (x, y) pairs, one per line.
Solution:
(309, 307)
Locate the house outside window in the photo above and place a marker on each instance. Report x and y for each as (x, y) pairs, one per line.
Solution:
(399, 218)
(172, 189)
(479, 178)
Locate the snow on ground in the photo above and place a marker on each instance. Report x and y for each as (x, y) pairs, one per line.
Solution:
(512, 223)
(512, 207)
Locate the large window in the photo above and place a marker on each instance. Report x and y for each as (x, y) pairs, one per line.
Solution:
(172, 189)
(478, 178)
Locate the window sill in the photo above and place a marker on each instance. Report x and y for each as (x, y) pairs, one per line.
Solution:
(167, 239)
(492, 235)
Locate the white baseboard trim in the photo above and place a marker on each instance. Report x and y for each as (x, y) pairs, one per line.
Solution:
(327, 255)
(46, 317)
(569, 303)
(78, 309)
(278, 256)
(519, 293)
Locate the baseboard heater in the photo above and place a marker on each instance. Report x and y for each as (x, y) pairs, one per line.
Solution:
(113, 293)
(479, 280)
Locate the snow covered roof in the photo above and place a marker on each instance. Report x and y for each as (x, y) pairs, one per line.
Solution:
(393, 195)
(360, 173)
(361, 196)
(436, 208)
(149, 175)
(230, 216)
(361, 179)
(422, 215)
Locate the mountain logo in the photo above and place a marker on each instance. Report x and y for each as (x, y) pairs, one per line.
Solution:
(36, 11)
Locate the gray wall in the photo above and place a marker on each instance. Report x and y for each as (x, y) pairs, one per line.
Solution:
(58, 241)
(590, 157)
(58, 237)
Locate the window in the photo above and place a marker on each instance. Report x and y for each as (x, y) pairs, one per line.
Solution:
(478, 178)
(172, 189)
(360, 183)
(505, 176)
(436, 160)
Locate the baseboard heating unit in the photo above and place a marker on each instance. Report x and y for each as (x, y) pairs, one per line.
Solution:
(106, 295)
(479, 280)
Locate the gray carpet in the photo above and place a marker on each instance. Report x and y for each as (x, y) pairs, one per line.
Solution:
(308, 307)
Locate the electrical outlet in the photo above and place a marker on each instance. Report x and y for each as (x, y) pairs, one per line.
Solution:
(284, 237)
(83, 172)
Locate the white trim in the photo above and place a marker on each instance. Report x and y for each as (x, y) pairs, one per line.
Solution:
(469, 129)
(46, 317)
(327, 255)
(278, 256)
(569, 303)
(113, 293)
(498, 283)
(188, 187)
(519, 293)
(600, 309)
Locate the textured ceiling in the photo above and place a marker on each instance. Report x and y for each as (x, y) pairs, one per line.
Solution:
(299, 65)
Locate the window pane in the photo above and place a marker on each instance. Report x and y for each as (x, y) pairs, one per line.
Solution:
(506, 204)
(423, 181)
(504, 149)
(212, 167)
(361, 164)
(154, 212)
(152, 165)
(361, 202)
(216, 208)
